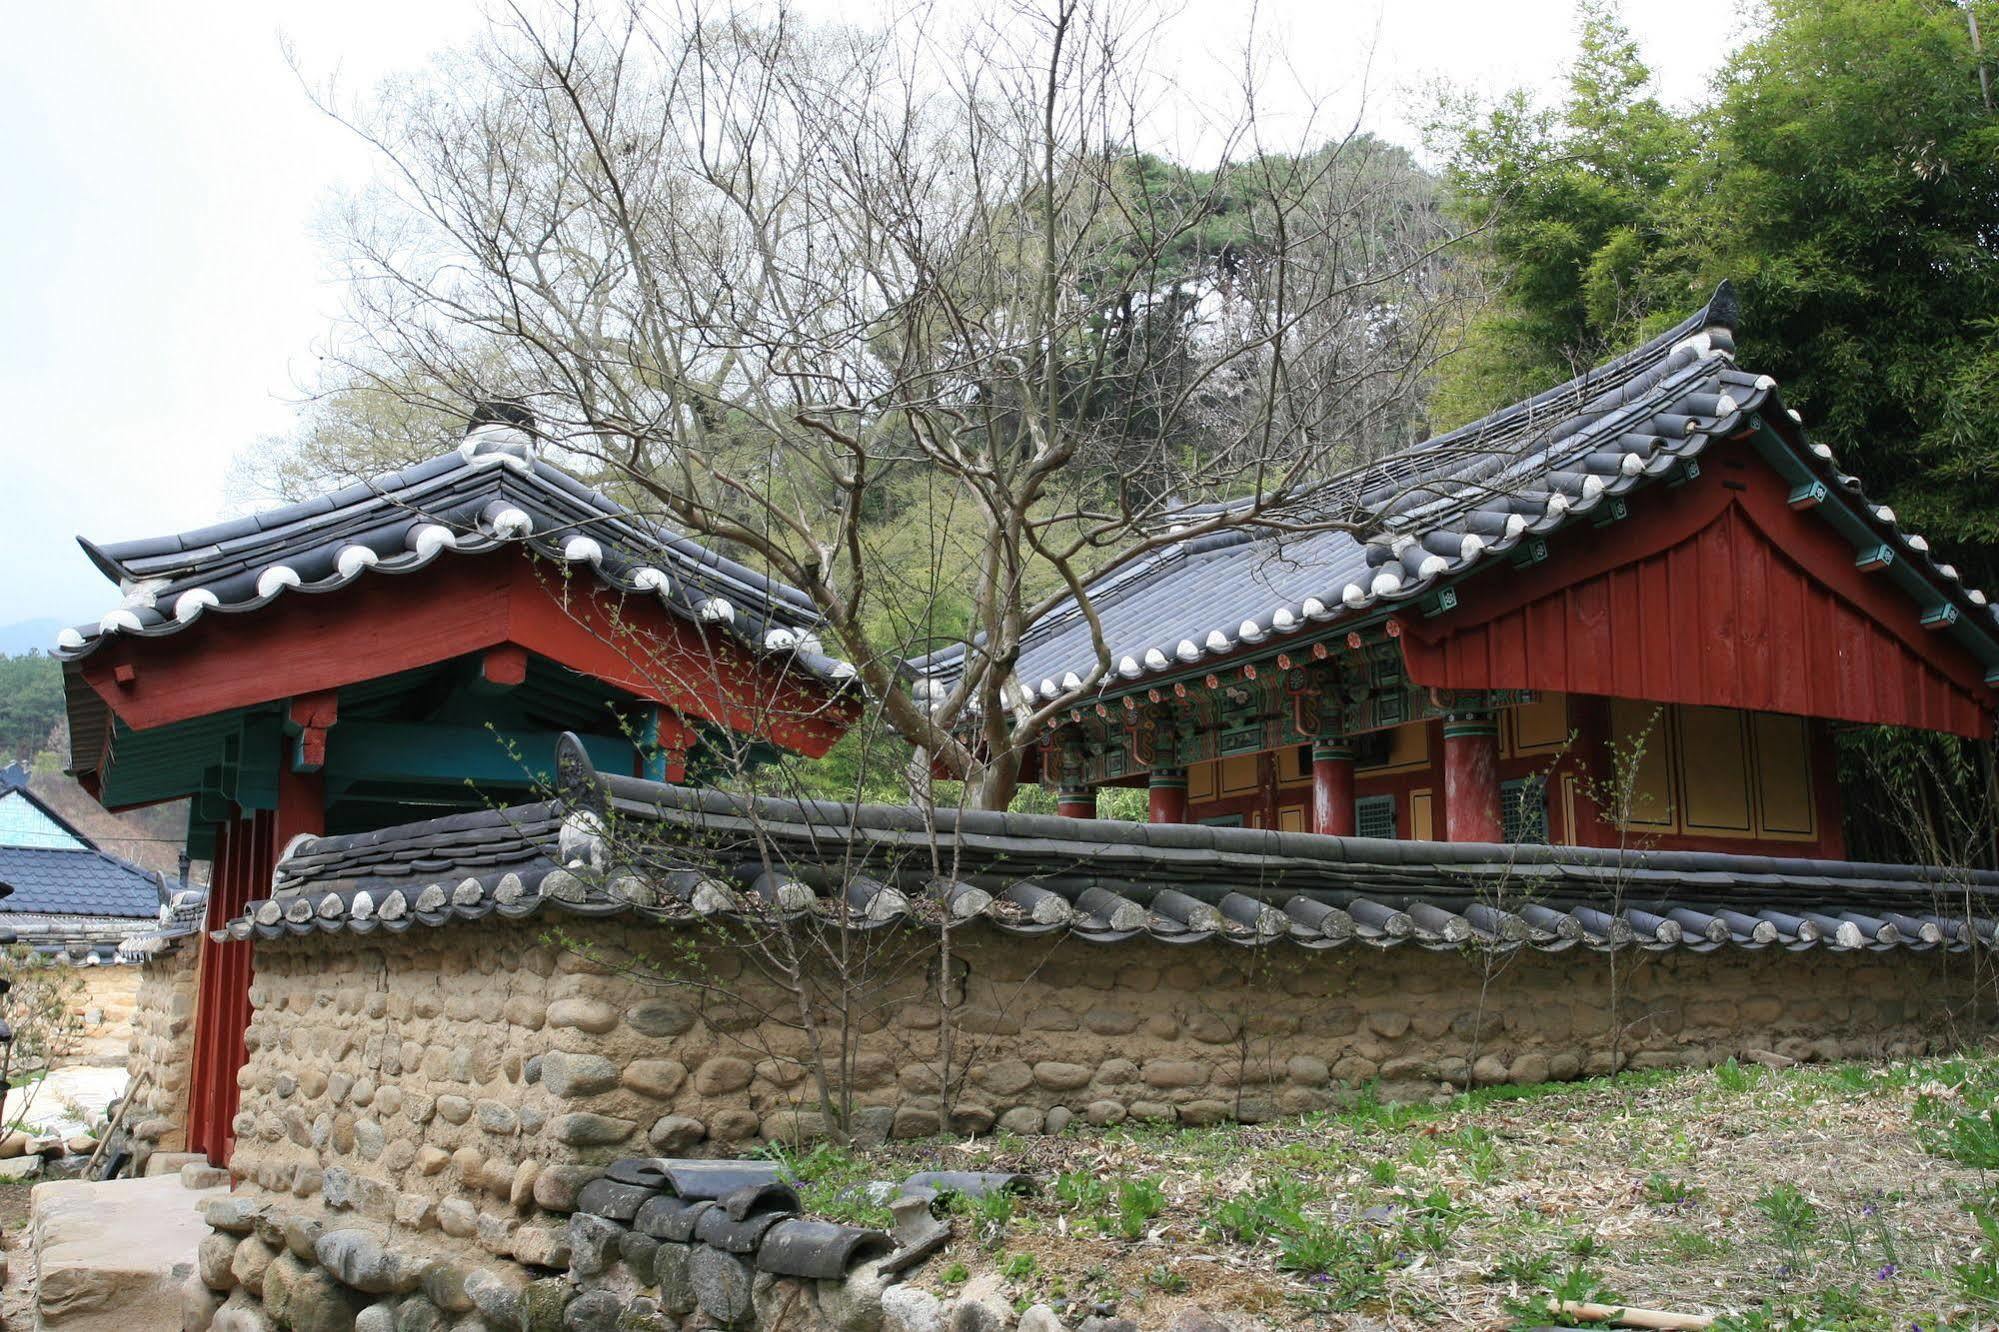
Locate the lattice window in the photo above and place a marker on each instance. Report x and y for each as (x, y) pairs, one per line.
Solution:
(1374, 816)
(1523, 810)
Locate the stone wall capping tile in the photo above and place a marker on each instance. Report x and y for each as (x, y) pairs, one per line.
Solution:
(716, 1229)
(820, 1249)
(671, 1219)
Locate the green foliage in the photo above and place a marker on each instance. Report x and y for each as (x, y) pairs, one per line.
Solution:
(1851, 189)
(31, 705)
(1543, 1309)
(1734, 1077)
(1571, 198)
(1971, 1139)
(1793, 1217)
(990, 1213)
(1081, 1191)
(1138, 1202)
(1524, 1269)
(1690, 1244)
(1665, 1191)
(831, 1183)
(1844, 173)
(1276, 1205)
(1345, 1266)
(1977, 1281)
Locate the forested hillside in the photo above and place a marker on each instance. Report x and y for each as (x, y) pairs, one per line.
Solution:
(30, 705)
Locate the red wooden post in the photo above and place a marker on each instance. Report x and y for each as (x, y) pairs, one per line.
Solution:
(1167, 796)
(1471, 777)
(1332, 788)
(208, 1115)
(246, 852)
(666, 737)
(1590, 761)
(1076, 802)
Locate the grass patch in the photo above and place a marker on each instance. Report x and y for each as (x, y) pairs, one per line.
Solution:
(1852, 1195)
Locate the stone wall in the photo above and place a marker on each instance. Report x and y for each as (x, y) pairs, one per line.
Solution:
(160, 1053)
(450, 1090)
(106, 1006)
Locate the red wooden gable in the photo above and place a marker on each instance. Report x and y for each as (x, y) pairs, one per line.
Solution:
(1716, 593)
(308, 644)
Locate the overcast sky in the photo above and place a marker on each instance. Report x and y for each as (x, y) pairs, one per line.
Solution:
(162, 288)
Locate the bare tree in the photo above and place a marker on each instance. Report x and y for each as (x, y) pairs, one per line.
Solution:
(909, 317)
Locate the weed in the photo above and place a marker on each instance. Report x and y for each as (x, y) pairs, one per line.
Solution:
(990, 1213)
(1082, 1191)
(1977, 1281)
(1792, 1216)
(1524, 1269)
(1971, 1139)
(1430, 1221)
(1020, 1267)
(1165, 1279)
(1665, 1191)
(1382, 1171)
(1584, 1244)
(1689, 1244)
(1345, 1267)
(1249, 1218)
(1734, 1077)
(1577, 1285)
(957, 1274)
(1481, 1152)
(1138, 1202)
(831, 1182)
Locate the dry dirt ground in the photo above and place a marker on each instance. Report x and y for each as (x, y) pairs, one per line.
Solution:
(1812, 1197)
(14, 1299)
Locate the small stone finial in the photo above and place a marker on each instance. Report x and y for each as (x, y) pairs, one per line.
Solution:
(500, 428)
(1723, 309)
(576, 776)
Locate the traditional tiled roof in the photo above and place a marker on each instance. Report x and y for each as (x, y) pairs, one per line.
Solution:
(79, 940)
(620, 845)
(64, 897)
(180, 917)
(78, 883)
(491, 491)
(1429, 515)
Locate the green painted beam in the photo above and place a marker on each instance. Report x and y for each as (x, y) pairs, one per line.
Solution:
(427, 753)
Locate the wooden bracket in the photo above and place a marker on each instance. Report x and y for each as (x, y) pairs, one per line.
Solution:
(308, 717)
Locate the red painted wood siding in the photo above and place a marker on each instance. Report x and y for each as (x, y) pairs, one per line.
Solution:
(305, 644)
(1717, 594)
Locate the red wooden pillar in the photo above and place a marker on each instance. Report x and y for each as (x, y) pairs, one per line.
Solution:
(1167, 796)
(1590, 764)
(665, 740)
(1076, 802)
(1471, 777)
(246, 852)
(1332, 788)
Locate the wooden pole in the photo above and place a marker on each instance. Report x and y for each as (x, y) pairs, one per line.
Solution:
(1625, 1316)
(138, 1085)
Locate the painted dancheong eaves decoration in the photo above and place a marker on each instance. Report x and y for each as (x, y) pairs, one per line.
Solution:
(754, 858)
(491, 491)
(1447, 508)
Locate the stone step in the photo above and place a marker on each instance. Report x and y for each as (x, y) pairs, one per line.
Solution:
(112, 1256)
